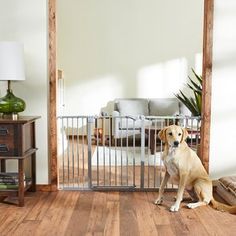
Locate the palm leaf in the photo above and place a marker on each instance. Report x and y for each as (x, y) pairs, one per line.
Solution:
(199, 77)
(198, 99)
(188, 103)
(198, 87)
(194, 104)
(199, 91)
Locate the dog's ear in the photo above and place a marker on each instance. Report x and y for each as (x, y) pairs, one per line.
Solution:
(184, 135)
(162, 135)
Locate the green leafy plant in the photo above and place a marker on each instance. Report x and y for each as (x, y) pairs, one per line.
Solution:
(193, 103)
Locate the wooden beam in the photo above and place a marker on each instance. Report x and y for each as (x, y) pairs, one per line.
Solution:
(207, 77)
(52, 95)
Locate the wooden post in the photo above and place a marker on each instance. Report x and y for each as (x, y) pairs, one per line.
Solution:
(206, 85)
(52, 96)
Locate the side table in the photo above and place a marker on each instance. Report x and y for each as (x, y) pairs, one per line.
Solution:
(17, 142)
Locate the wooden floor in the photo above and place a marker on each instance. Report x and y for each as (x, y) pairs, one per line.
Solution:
(110, 213)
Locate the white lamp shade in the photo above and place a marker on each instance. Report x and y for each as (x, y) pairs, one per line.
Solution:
(11, 61)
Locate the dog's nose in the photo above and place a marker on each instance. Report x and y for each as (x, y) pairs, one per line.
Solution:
(176, 143)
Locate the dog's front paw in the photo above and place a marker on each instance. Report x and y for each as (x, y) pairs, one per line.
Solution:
(174, 208)
(158, 201)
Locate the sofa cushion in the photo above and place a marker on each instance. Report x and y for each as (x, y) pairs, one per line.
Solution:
(164, 107)
(131, 124)
(133, 107)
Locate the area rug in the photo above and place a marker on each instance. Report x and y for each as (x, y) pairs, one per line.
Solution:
(105, 156)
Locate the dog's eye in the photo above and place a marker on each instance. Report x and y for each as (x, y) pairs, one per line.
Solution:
(179, 134)
(170, 133)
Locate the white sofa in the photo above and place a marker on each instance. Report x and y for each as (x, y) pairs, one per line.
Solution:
(137, 107)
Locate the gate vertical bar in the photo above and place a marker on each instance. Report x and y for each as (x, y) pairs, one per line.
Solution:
(134, 153)
(115, 157)
(83, 144)
(142, 152)
(72, 151)
(149, 147)
(155, 152)
(89, 139)
(109, 143)
(97, 144)
(63, 152)
(127, 155)
(77, 151)
(68, 155)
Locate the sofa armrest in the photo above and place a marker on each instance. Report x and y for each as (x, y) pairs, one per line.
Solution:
(115, 113)
(115, 123)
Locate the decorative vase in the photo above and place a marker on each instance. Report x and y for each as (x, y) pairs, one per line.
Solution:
(10, 104)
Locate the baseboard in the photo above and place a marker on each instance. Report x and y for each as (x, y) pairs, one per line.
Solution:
(46, 188)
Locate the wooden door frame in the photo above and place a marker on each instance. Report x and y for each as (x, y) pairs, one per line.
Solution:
(206, 97)
(52, 66)
(207, 81)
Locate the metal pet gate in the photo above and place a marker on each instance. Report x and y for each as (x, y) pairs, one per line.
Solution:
(115, 153)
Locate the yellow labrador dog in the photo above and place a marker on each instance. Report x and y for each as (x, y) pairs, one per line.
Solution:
(184, 168)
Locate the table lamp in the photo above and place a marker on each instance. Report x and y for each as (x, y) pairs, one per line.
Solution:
(11, 68)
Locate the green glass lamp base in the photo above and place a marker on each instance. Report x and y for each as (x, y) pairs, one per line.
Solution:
(10, 104)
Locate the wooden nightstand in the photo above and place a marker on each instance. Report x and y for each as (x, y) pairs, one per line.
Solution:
(17, 142)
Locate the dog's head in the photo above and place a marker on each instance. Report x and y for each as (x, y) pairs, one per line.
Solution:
(173, 135)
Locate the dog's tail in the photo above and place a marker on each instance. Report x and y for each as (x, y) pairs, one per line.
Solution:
(223, 207)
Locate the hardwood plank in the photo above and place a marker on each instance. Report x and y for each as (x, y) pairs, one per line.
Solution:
(185, 221)
(128, 218)
(26, 228)
(214, 221)
(57, 218)
(40, 208)
(81, 214)
(177, 226)
(192, 222)
(113, 220)
(160, 216)
(99, 212)
(146, 224)
(13, 216)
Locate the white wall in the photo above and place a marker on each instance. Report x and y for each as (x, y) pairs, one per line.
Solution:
(223, 128)
(26, 21)
(110, 49)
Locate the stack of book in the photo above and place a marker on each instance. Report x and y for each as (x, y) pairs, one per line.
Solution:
(10, 180)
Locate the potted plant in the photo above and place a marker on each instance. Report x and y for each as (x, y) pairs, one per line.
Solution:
(193, 103)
